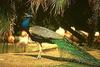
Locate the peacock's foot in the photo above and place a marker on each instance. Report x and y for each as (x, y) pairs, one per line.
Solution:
(39, 57)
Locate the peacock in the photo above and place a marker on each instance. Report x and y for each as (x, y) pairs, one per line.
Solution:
(41, 34)
(75, 53)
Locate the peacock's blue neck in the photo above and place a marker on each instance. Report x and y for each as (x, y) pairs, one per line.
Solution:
(25, 23)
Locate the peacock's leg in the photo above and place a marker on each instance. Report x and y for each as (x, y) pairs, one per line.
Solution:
(40, 51)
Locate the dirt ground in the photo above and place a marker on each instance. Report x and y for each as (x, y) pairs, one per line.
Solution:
(30, 60)
(48, 59)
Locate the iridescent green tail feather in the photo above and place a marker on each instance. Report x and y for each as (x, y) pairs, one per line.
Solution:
(75, 51)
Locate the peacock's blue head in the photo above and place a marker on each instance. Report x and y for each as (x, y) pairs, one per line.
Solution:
(28, 15)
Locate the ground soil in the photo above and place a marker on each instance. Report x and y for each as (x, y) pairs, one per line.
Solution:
(30, 60)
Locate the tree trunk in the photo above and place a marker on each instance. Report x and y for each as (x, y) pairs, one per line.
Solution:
(91, 38)
(93, 22)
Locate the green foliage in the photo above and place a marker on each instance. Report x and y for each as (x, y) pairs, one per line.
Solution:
(6, 14)
(58, 6)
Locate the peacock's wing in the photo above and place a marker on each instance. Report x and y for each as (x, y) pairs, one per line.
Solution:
(44, 32)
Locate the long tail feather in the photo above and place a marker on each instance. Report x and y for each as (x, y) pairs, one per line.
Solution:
(78, 53)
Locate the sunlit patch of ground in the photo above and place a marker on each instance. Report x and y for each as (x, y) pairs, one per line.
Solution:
(11, 60)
